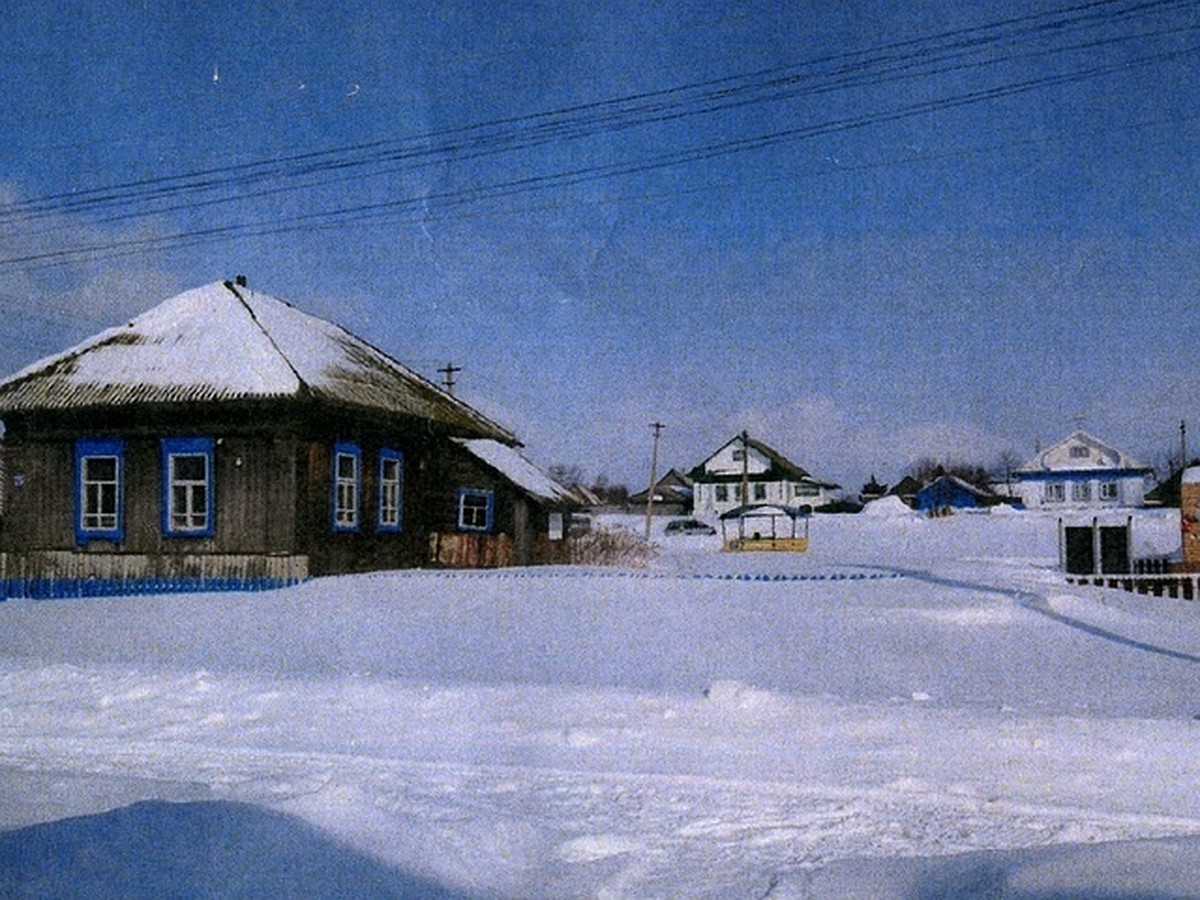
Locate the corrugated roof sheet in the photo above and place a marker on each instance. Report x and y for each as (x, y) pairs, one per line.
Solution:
(224, 342)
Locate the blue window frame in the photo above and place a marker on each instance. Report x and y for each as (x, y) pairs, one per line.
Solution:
(347, 486)
(476, 509)
(187, 487)
(99, 490)
(391, 491)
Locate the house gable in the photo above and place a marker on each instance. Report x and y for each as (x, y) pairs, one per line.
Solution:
(743, 455)
(1079, 452)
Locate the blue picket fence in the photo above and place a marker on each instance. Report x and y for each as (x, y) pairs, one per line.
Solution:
(78, 588)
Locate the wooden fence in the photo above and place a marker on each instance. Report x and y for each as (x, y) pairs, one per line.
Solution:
(64, 573)
(1179, 586)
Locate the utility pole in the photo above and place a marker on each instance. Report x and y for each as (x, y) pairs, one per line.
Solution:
(448, 371)
(658, 427)
(1183, 458)
(745, 468)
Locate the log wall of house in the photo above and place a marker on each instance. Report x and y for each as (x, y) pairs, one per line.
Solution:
(520, 527)
(253, 486)
(272, 496)
(366, 548)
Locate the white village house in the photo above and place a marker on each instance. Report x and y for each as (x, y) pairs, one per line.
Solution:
(766, 475)
(1082, 472)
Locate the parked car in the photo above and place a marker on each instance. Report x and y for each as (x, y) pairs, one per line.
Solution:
(689, 526)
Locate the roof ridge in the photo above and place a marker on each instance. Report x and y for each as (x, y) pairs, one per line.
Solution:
(304, 386)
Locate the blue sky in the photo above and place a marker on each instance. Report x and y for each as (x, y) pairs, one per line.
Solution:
(868, 232)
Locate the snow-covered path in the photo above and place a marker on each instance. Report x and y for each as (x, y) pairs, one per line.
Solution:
(707, 728)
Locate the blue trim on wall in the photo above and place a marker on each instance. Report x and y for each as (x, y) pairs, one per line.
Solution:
(384, 455)
(489, 515)
(191, 446)
(346, 448)
(1083, 475)
(78, 588)
(86, 447)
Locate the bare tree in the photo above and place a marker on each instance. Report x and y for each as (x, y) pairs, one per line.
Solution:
(568, 475)
(1007, 464)
(928, 469)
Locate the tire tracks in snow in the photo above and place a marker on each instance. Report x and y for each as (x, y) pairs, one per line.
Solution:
(1039, 603)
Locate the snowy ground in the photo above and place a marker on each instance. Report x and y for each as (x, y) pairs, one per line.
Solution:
(915, 708)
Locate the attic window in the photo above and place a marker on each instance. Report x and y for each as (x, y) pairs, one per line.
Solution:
(1080, 452)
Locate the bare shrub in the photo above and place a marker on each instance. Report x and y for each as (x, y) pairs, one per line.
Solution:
(611, 547)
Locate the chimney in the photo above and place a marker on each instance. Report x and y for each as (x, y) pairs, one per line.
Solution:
(240, 280)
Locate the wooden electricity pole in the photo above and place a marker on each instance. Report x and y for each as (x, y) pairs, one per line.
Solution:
(745, 468)
(448, 371)
(658, 427)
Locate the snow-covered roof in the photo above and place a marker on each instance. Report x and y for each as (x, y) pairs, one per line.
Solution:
(225, 342)
(765, 511)
(943, 481)
(1080, 451)
(520, 471)
(764, 464)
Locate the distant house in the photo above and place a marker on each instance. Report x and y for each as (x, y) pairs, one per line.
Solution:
(1082, 471)
(947, 493)
(906, 489)
(872, 490)
(744, 465)
(504, 511)
(223, 439)
(1167, 492)
(673, 495)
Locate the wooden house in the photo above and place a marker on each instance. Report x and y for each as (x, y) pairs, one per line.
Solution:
(672, 495)
(906, 489)
(947, 493)
(503, 511)
(744, 466)
(223, 439)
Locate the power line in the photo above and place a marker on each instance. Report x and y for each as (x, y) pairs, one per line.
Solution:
(925, 57)
(855, 68)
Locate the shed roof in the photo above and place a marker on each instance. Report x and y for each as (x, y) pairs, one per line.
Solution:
(224, 342)
(520, 471)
